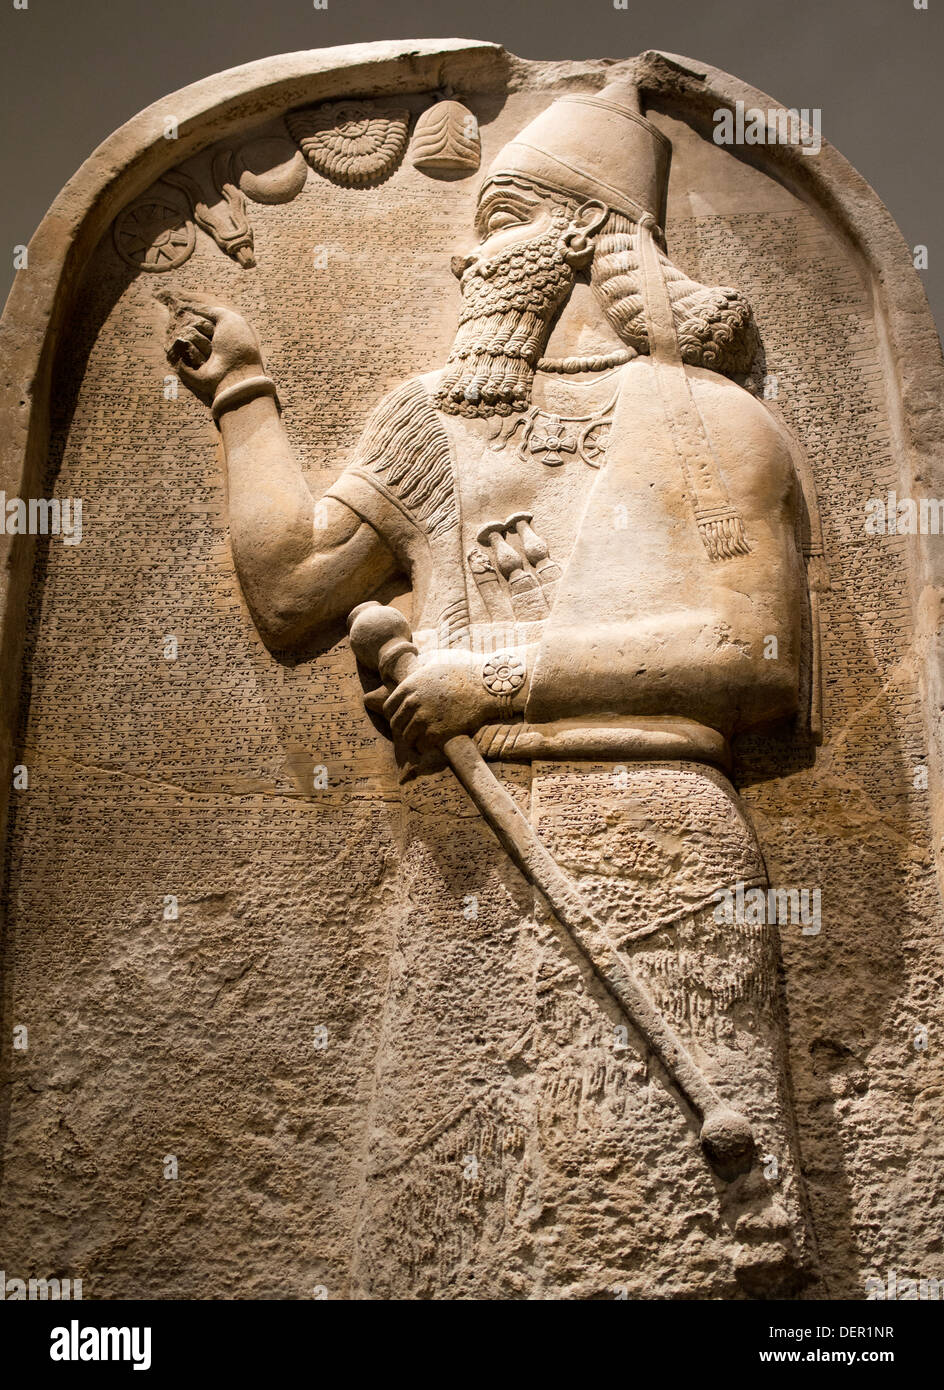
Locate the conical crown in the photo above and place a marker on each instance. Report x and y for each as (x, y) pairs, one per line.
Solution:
(593, 146)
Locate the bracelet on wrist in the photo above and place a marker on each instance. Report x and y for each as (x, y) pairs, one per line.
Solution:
(232, 396)
(503, 675)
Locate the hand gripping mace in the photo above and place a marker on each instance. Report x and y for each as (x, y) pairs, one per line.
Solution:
(381, 641)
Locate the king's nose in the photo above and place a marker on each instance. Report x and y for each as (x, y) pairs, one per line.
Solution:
(459, 265)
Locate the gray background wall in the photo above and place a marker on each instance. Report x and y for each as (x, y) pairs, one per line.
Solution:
(72, 71)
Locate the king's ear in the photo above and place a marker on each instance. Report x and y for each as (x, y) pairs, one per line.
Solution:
(590, 216)
(584, 225)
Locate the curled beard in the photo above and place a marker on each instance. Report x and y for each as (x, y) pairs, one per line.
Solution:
(504, 327)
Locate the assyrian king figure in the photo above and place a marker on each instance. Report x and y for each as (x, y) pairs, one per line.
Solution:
(597, 525)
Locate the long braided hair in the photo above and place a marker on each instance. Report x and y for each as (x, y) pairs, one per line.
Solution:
(715, 326)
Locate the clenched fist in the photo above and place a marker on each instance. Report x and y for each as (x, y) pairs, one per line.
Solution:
(439, 699)
(209, 346)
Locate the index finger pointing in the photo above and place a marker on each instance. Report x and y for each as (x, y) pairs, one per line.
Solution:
(191, 302)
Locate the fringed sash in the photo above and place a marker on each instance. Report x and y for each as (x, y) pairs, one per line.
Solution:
(720, 526)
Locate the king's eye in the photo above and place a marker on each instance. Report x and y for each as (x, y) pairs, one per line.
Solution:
(501, 218)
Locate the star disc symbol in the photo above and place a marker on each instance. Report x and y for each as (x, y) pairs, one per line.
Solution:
(154, 235)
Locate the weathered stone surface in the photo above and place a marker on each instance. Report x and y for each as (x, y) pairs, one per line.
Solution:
(246, 932)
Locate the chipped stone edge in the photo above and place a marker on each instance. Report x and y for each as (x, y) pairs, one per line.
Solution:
(129, 161)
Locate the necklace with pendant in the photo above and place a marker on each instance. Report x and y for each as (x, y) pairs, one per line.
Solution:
(552, 439)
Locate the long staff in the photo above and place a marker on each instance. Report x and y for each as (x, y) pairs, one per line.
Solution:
(382, 641)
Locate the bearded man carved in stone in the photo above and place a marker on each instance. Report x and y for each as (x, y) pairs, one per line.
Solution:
(599, 529)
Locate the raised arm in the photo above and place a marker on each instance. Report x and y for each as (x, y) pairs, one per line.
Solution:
(301, 565)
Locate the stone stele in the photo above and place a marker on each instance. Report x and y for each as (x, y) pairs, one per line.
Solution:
(472, 688)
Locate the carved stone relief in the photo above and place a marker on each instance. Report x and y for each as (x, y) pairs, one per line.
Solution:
(352, 143)
(500, 729)
(155, 233)
(446, 137)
